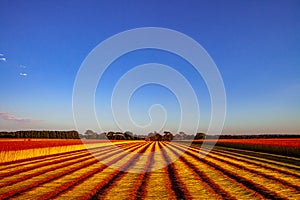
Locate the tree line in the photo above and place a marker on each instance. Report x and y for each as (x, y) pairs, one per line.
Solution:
(41, 134)
(89, 134)
(111, 135)
(153, 136)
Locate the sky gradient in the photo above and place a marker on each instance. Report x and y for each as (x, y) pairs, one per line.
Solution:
(255, 45)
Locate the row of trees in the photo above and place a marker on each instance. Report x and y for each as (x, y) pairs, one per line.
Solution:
(89, 134)
(41, 134)
(168, 136)
(153, 136)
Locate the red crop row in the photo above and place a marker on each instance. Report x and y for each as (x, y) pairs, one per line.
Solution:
(294, 142)
(22, 144)
(291, 142)
(290, 147)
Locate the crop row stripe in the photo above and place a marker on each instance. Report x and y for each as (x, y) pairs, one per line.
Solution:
(257, 172)
(231, 186)
(176, 184)
(49, 178)
(45, 163)
(76, 180)
(159, 184)
(286, 167)
(252, 167)
(106, 184)
(73, 190)
(291, 187)
(280, 175)
(16, 155)
(144, 177)
(248, 183)
(129, 181)
(13, 168)
(67, 186)
(274, 186)
(196, 185)
(282, 169)
(288, 160)
(26, 161)
(43, 168)
(21, 162)
(38, 171)
(93, 183)
(204, 178)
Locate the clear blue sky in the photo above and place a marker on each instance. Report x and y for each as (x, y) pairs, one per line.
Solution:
(255, 44)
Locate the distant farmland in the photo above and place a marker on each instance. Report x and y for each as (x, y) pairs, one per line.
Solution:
(69, 171)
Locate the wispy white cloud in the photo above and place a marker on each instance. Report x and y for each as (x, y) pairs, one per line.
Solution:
(23, 74)
(2, 57)
(23, 66)
(11, 117)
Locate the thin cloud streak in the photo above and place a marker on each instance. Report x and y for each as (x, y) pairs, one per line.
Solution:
(11, 117)
(23, 74)
(3, 59)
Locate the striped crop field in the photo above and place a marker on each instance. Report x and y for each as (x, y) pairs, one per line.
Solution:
(108, 171)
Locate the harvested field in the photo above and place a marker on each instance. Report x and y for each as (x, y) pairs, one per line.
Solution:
(225, 173)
